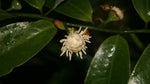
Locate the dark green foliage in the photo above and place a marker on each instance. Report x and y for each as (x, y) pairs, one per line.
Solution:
(29, 40)
(110, 63)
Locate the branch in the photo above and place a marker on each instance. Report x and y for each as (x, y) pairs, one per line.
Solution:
(89, 27)
(110, 30)
(29, 15)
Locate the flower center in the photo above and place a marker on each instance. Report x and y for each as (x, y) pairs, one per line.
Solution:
(75, 42)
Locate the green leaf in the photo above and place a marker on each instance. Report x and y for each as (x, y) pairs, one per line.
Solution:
(5, 15)
(57, 2)
(140, 74)
(52, 4)
(143, 9)
(38, 4)
(21, 41)
(110, 64)
(77, 9)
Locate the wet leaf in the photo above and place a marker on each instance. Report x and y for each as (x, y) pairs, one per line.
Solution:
(140, 74)
(110, 64)
(21, 41)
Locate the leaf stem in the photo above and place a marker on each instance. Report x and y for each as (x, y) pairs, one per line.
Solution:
(48, 12)
(110, 30)
(29, 15)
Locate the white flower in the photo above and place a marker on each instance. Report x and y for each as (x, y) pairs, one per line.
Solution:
(75, 42)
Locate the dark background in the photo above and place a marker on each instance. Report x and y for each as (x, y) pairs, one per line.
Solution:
(47, 67)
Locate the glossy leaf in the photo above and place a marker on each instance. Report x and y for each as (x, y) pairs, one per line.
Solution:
(5, 15)
(21, 41)
(141, 72)
(143, 9)
(110, 64)
(77, 9)
(38, 4)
